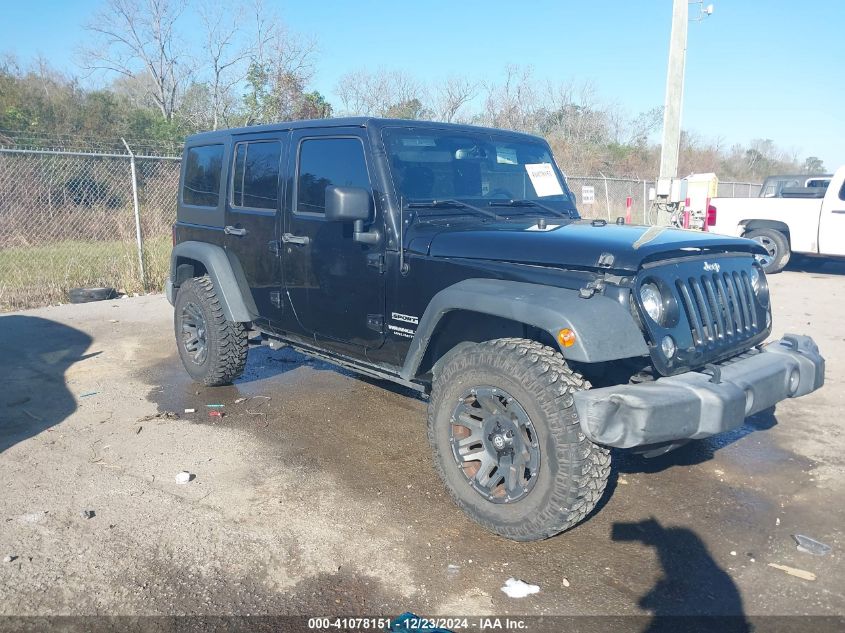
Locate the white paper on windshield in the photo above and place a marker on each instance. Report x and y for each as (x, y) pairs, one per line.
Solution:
(544, 179)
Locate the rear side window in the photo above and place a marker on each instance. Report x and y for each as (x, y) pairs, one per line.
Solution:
(328, 161)
(203, 165)
(255, 178)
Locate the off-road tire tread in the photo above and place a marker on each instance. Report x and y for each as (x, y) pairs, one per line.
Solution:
(227, 360)
(584, 467)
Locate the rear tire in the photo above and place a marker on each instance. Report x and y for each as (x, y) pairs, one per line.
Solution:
(519, 391)
(777, 247)
(213, 350)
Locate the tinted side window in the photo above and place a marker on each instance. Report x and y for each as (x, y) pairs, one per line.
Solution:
(255, 179)
(328, 161)
(842, 192)
(202, 175)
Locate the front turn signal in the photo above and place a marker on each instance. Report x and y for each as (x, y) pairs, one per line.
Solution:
(566, 337)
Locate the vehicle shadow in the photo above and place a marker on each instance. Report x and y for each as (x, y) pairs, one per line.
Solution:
(263, 362)
(694, 593)
(35, 353)
(694, 452)
(816, 265)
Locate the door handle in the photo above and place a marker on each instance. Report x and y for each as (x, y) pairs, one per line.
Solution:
(838, 211)
(233, 230)
(290, 238)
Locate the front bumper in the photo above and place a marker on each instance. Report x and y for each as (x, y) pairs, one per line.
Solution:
(695, 404)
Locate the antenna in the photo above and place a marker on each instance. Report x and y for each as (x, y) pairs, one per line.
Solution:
(403, 267)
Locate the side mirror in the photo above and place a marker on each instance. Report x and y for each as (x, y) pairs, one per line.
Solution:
(352, 204)
(347, 204)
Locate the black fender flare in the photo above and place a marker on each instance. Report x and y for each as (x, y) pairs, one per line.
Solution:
(604, 329)
(228, 279)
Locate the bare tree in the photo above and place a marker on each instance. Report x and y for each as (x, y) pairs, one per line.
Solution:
(227, 50)
(383, 93)
(513, 103)
(280, 69)
(452, 96)
(133, 37)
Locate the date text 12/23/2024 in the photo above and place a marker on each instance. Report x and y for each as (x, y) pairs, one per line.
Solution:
(410, 623)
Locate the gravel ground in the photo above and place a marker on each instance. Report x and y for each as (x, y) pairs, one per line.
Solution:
(315, 494)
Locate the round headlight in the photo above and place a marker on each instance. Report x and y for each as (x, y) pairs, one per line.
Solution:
(760, 285)
(652, 301)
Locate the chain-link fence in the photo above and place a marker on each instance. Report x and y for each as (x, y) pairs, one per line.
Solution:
(609, 198)
(71, 219)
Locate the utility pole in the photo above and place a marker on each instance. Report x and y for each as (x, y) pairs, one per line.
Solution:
(668, 197)
(673, 104)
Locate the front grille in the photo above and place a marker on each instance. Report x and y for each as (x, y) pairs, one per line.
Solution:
(719, 307)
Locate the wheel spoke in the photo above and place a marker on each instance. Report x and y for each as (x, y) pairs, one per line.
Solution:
(464, 413)
(483, 476)
(512, 478)
(489, 402)
(474, 438)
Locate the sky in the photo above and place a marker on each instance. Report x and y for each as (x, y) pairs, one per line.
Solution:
(755, 68)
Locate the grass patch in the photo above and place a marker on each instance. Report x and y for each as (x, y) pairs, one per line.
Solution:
(42, 275)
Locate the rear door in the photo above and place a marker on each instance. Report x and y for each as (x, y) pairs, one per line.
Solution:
(335, 284)
(832, 221)
(253, 217)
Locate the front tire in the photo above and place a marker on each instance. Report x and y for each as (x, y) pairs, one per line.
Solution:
(507, 442)
(213, 350)
(777, 249)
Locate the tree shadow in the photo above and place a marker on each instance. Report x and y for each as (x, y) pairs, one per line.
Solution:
(694, 452)
(35, 353)
(694, 593)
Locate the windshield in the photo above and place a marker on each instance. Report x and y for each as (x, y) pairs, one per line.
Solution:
(430, 165)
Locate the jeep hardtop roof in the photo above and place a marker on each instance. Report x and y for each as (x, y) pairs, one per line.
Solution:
(364, 122)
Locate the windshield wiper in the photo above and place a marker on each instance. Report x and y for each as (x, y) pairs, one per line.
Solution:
(530, 203)
(451, 202)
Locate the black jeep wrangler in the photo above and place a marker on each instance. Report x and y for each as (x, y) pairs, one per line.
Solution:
(452, 259)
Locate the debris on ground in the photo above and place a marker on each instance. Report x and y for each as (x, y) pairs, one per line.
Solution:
(565, 582)
(190, 410)
(88, 514)
(733, 552)
(161, 415)
(515, 588)
(811, 546)
(215, 414)
(138, 430)
(239, 400)
(792, 571)
(215, 406)
(452, 570)
(9, 558)
(88, 393)
(184, 477)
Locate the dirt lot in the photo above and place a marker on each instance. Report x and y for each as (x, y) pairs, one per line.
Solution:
(316, 495)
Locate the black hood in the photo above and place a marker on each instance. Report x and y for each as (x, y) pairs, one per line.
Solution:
(578, 244)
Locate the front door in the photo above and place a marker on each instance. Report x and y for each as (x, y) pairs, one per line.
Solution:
(253, 218)
(832, 223)
(334, 284)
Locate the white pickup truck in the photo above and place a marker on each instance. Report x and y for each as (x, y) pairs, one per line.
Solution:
(805, 221)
